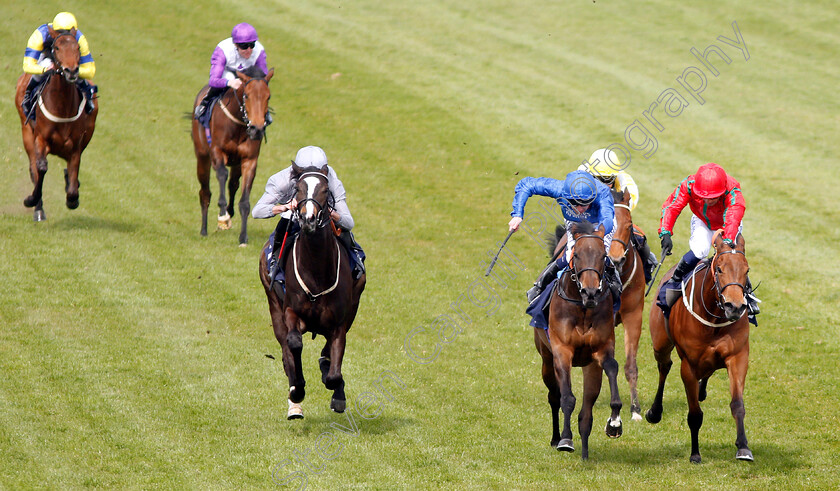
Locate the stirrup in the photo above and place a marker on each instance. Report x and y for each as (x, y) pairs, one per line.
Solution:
(752, 304)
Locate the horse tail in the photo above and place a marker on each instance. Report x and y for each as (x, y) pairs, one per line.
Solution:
(553, 240)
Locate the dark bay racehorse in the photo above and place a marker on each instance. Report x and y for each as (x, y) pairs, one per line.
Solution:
(60, 127)
(581, 333)
(237, 129)
(321, 296)
(709, 328)
(629, 263)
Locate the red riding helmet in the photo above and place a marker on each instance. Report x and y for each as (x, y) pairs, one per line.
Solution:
(709, 181)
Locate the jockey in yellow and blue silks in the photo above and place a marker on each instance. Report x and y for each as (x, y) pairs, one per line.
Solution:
(37, 61)
(581, 198)
(605, 166)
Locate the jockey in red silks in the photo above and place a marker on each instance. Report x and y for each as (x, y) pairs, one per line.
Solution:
(239, 52)
(716, 203)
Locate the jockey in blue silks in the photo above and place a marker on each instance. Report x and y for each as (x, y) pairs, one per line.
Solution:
(581, 198)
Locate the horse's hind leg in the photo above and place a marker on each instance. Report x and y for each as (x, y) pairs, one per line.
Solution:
(592, 376)
(550, 381)
(737, 366)
(333, 379)
(71, 180)
(702, 394)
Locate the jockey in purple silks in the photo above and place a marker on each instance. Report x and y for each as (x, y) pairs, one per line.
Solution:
(240, 51)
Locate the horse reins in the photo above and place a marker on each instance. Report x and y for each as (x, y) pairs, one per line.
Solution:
(687, 302)
(50, 116)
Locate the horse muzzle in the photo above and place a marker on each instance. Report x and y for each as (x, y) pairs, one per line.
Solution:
(733, 312)
(255, 133)
(69, 75)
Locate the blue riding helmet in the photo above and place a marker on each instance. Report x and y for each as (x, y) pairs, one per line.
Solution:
(579, 188)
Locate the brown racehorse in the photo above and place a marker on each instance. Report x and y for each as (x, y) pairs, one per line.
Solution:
(629, 263)
(581, 333)
(237, 129)
(710, 330)
(321, 296)
(61, 127)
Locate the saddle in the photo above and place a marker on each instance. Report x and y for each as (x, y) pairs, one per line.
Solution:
(671, 291)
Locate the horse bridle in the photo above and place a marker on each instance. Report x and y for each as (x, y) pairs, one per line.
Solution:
(719, 289)
(324, 209)
(575, 273)
(60, 70)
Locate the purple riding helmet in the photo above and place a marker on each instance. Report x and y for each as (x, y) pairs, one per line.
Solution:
(243, 33)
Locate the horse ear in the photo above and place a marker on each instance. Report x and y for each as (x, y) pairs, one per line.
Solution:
(242, 76)
(296, 170)
(601, 230)
(269, 75)
(740, 242)
(53, 32)
(718, 241)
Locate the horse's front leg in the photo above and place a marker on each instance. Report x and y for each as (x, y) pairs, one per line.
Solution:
(695, 414)
(36, 149)
(333, 380)
(563, 372)
(737, 367)
(610, 366)
(248, 171)
(294, 340)
(662, 347)
(632, 332)
(219, 160)
(550, 381)
(592, 376)
(71, 180)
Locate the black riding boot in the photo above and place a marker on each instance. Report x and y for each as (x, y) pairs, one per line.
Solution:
(752, 300)
(349, 242)
(88, 90)
(685, 266)
(26, 103)
(209, 96)
(548, 274)
(613, 278)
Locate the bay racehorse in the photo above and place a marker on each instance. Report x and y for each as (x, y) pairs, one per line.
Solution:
(629, 263)
(581, 333)
(321, 296)
(233, 140)
(709, 328)
(60, 126)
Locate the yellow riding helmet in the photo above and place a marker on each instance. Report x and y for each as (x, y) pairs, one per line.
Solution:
(64, 21)
(604, 163)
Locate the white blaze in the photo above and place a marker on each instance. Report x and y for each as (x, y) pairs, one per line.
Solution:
(311, 184)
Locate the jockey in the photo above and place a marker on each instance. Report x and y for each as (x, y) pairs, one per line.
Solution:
(605, 166)
(236, 53)
(716, 202)
(279, 199)
(37, 61)
(581, 198)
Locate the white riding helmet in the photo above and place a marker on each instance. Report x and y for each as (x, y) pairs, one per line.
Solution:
(311, 156)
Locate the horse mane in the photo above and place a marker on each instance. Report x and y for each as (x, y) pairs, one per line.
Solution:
(254, 72)
(583, 227)
(618, 196)
(552, 240)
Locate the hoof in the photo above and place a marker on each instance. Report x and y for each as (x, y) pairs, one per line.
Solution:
(637, 416)
(695, 459)
(295, 411)
(338, 405)
(39, 216)
(243, 245)
(744, 454)
(73, 203)
(223, 222)
(652, 417)
(565, 445)
(30, 201)
(613, 428)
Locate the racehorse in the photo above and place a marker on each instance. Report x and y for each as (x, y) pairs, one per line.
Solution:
(629, 263)
(710, 330)
(321, 296)
(580, 333)
(60, 126)
(235, 135)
